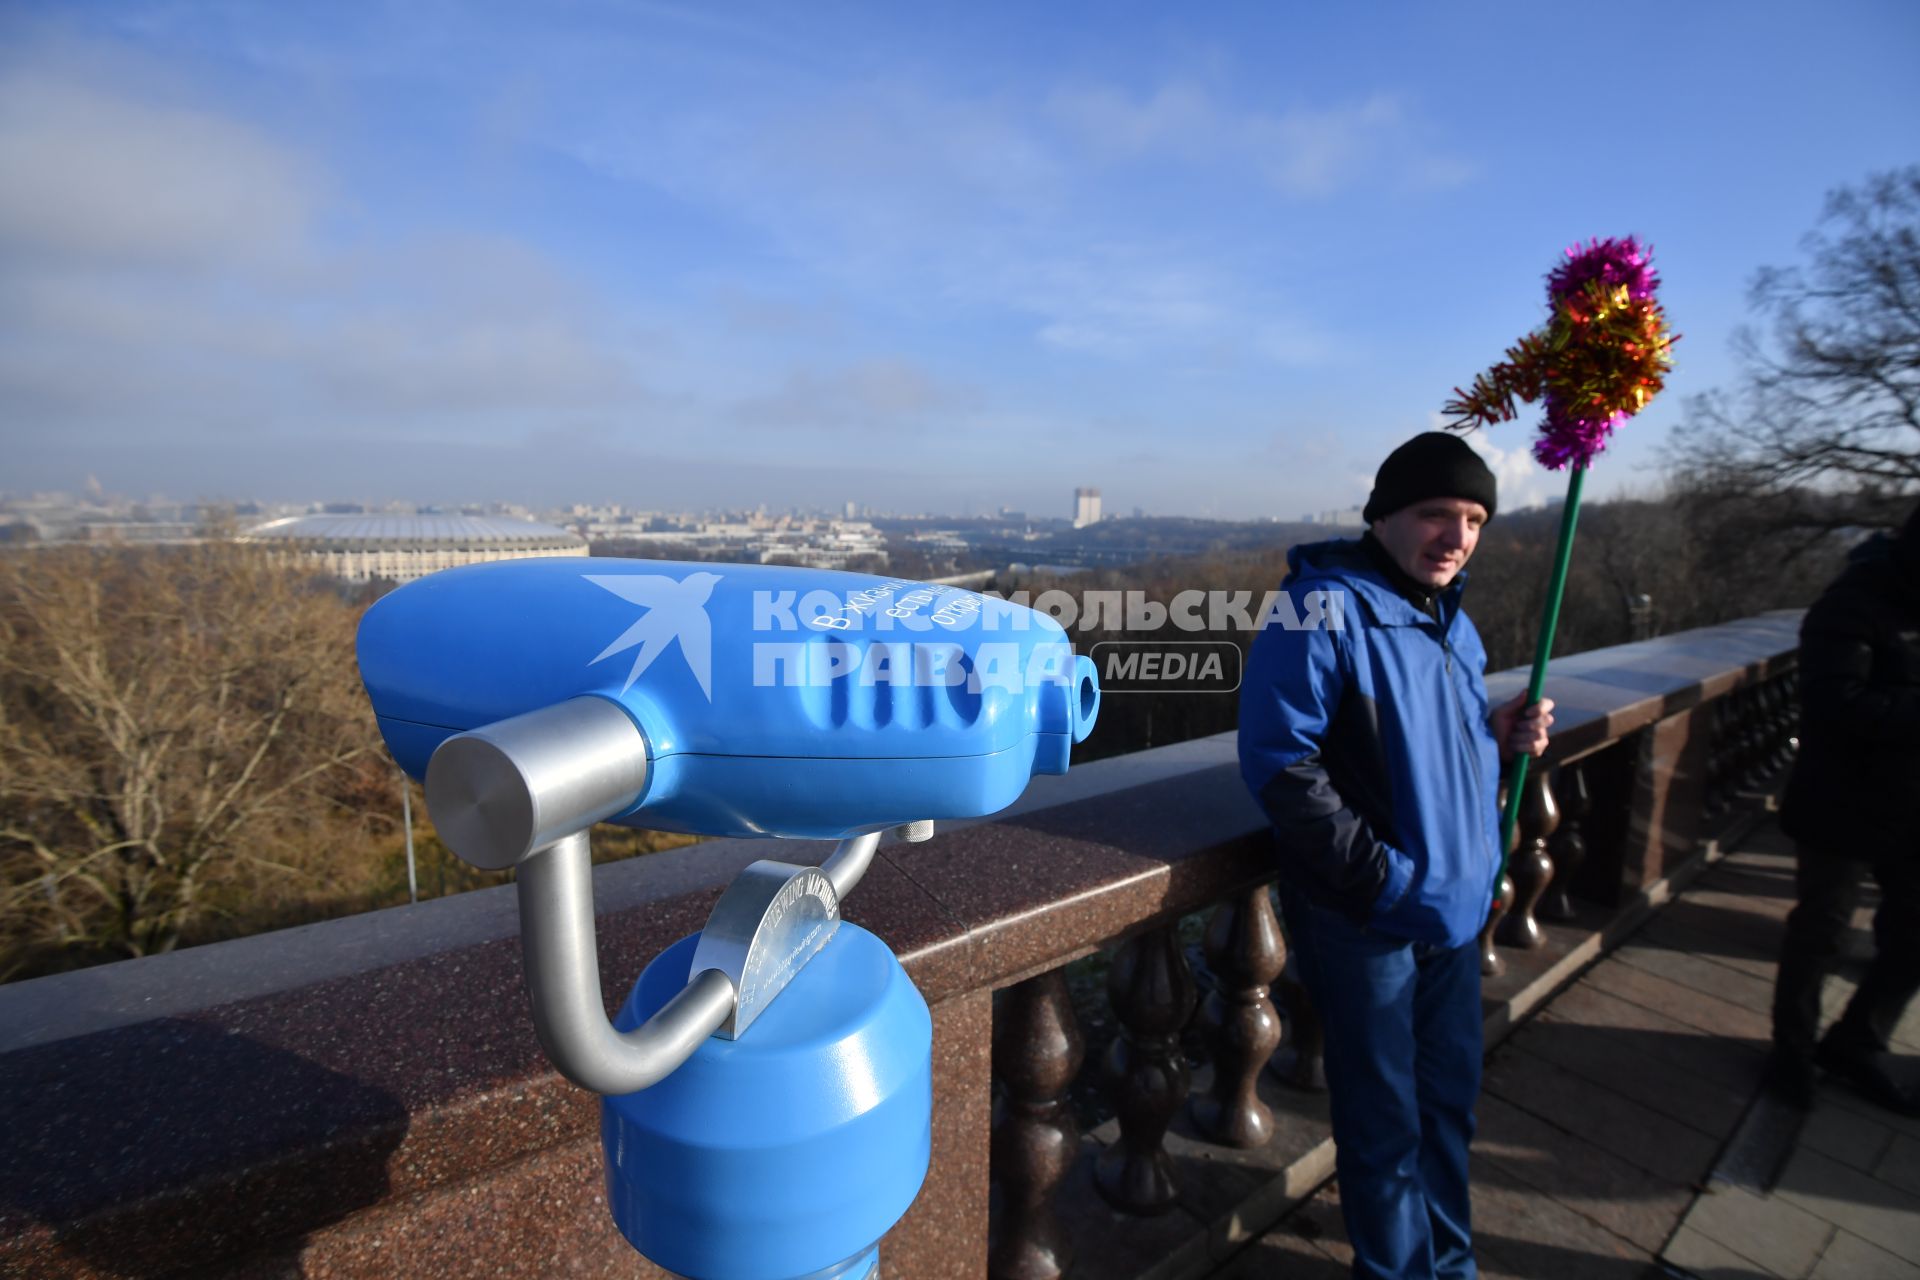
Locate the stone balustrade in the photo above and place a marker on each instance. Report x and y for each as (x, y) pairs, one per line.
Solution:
(365, 1096)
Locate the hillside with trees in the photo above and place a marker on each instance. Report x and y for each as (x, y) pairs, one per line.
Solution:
(186, 754)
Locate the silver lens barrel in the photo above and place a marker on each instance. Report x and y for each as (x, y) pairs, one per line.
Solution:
(500, 792)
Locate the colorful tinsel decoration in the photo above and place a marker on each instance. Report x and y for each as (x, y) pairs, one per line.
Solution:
(1603, 354)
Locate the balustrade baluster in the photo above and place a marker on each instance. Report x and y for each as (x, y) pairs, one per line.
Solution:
(1147, 1079)
(1732, 730)
(1303, 1063)
(1778, 725)
(1762, 736)
(1718, 785)
(1763, 720)
(1790, 695)
(1530, 868)
(1244, 949)
(1491, 965)
(1037, 1051)
(1752, 740)
(1568, 848)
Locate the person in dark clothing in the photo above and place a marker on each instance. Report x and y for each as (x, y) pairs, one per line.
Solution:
(1370, 745)
(1852, 807)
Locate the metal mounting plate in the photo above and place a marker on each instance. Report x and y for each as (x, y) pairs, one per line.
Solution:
(771, 920)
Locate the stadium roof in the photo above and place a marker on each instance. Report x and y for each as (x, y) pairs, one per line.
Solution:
(395, 530)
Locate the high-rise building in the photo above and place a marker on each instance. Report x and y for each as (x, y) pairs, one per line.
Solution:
(1086, 507)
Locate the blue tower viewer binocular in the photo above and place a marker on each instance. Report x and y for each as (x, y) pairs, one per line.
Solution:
(538, 697)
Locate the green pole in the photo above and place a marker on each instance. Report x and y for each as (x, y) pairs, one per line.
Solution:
(1549, 619)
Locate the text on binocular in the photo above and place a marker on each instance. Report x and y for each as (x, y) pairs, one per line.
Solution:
(993, 666)
(921, 607)
(1167, 666)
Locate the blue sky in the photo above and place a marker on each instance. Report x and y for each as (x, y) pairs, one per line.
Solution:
(1214, 260)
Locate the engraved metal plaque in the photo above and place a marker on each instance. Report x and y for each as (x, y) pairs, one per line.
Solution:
(771, 920)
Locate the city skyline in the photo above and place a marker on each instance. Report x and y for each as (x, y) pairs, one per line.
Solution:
(1212, 264)
(162, 506)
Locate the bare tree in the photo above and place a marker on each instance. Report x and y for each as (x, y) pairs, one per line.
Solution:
(1824, 431)
(177, 728)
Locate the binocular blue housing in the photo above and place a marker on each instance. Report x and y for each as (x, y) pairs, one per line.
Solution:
(773, 700)
(768, 1088)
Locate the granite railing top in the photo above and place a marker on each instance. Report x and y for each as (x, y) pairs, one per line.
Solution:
(1604, 694)
(199, 1105)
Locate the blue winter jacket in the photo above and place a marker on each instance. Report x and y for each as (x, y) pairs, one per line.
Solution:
(1367, 744)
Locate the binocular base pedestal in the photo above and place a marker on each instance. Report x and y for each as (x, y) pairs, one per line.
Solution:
(785, 1154)
(864, 1267)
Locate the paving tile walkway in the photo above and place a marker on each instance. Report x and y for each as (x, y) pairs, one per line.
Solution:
(1607, 1116)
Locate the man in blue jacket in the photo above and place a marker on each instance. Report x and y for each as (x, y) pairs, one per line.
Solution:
(1370, 744)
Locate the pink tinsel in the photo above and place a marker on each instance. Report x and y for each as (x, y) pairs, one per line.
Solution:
(1603, 354)
(1613, 262)
(1567, 439)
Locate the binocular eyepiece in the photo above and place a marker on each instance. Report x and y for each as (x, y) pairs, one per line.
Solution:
(500, 792)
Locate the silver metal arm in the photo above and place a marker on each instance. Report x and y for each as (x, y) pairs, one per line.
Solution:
(563, 981)
(523, 791)
(851, 858)
(563, 971)
(849, 861)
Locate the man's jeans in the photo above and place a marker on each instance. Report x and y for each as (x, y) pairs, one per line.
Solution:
(1403, 1027)
(1829, 884)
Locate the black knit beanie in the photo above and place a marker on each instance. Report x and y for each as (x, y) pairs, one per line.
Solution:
(1434, 464)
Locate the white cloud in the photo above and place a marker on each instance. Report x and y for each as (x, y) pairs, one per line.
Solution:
(87, 174)
(394, 333)
(1523, 482)
(1305, 152)
(1294, 342)
(195, 258)
(1315, 153)
(1114, 299)
(162, 264)
(1177, 117)
(879, 167)
(873, 395)
(468, 322)
(400, 362)
(1033, 206)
